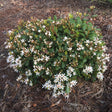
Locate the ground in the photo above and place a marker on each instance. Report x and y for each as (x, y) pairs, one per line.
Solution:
(87, 96)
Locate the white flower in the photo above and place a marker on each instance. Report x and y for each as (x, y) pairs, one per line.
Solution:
(45, 33)
(47, 71)
(73, 83)
(5, 43)
(57, 22)
(68, 42)
(46, 58)
(35, 62)
(37, 73)
(18, 35)
(19, 78)
(50, 44)
(49, 33)
(60, 77)
(59, 85)
(10, 59)
(10, 32)
(69, 49)
(26, 81)
(41, 20)
(65, 38)
(100, 76)
(107, 57)
(55, 95)
(104, 48)
(31, 37)
(88, 69)
(54, 63)
(99, 68)
(66, 95)
(53, 22)
(104, 68)
(87, 45)
(40, 68)
(48, 85)
(69, 73)
(28, 73)
(31, 84)
(80, 47)
(22, 40)
(87, 41)
(98, 58)
(94, 53)
(39, 31)
(32, 49)
(43, 26)
(91, 48)
(71, 69)
(74, 73)
(72, 55)
(45, 41)
(9, 45)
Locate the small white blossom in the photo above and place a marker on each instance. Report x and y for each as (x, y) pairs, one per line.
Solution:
(87, 41)
(39, 31)
(26, 81)
(98, 58)
(60, 77)
(47, 58)
(31, 84)
(69, 49)
(47, 71)
(73, 83)
(53, 22)
(72, 55)
(54, 63)
(31, 37)
(80, 47)
(100, 76)
(71, 69)
(28, 73)
(88, 69)
(104, 68)
(91, 48)
(48, 85)
(69, 73)
(22, 40)
(65, 38)
(43, 26)
(94, 53)
(10, 32)
(19, 78)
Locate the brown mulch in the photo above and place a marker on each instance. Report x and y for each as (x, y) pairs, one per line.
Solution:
(86, 97)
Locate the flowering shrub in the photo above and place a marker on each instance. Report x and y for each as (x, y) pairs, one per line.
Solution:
(59, 51)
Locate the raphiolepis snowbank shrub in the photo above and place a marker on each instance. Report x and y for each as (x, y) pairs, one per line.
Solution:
(59, 51)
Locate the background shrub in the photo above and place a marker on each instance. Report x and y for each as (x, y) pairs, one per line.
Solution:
(103, 1)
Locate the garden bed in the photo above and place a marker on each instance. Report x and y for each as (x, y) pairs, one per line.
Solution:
(21, 98)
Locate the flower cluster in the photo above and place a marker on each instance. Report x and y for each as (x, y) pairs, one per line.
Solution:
(58, 51)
